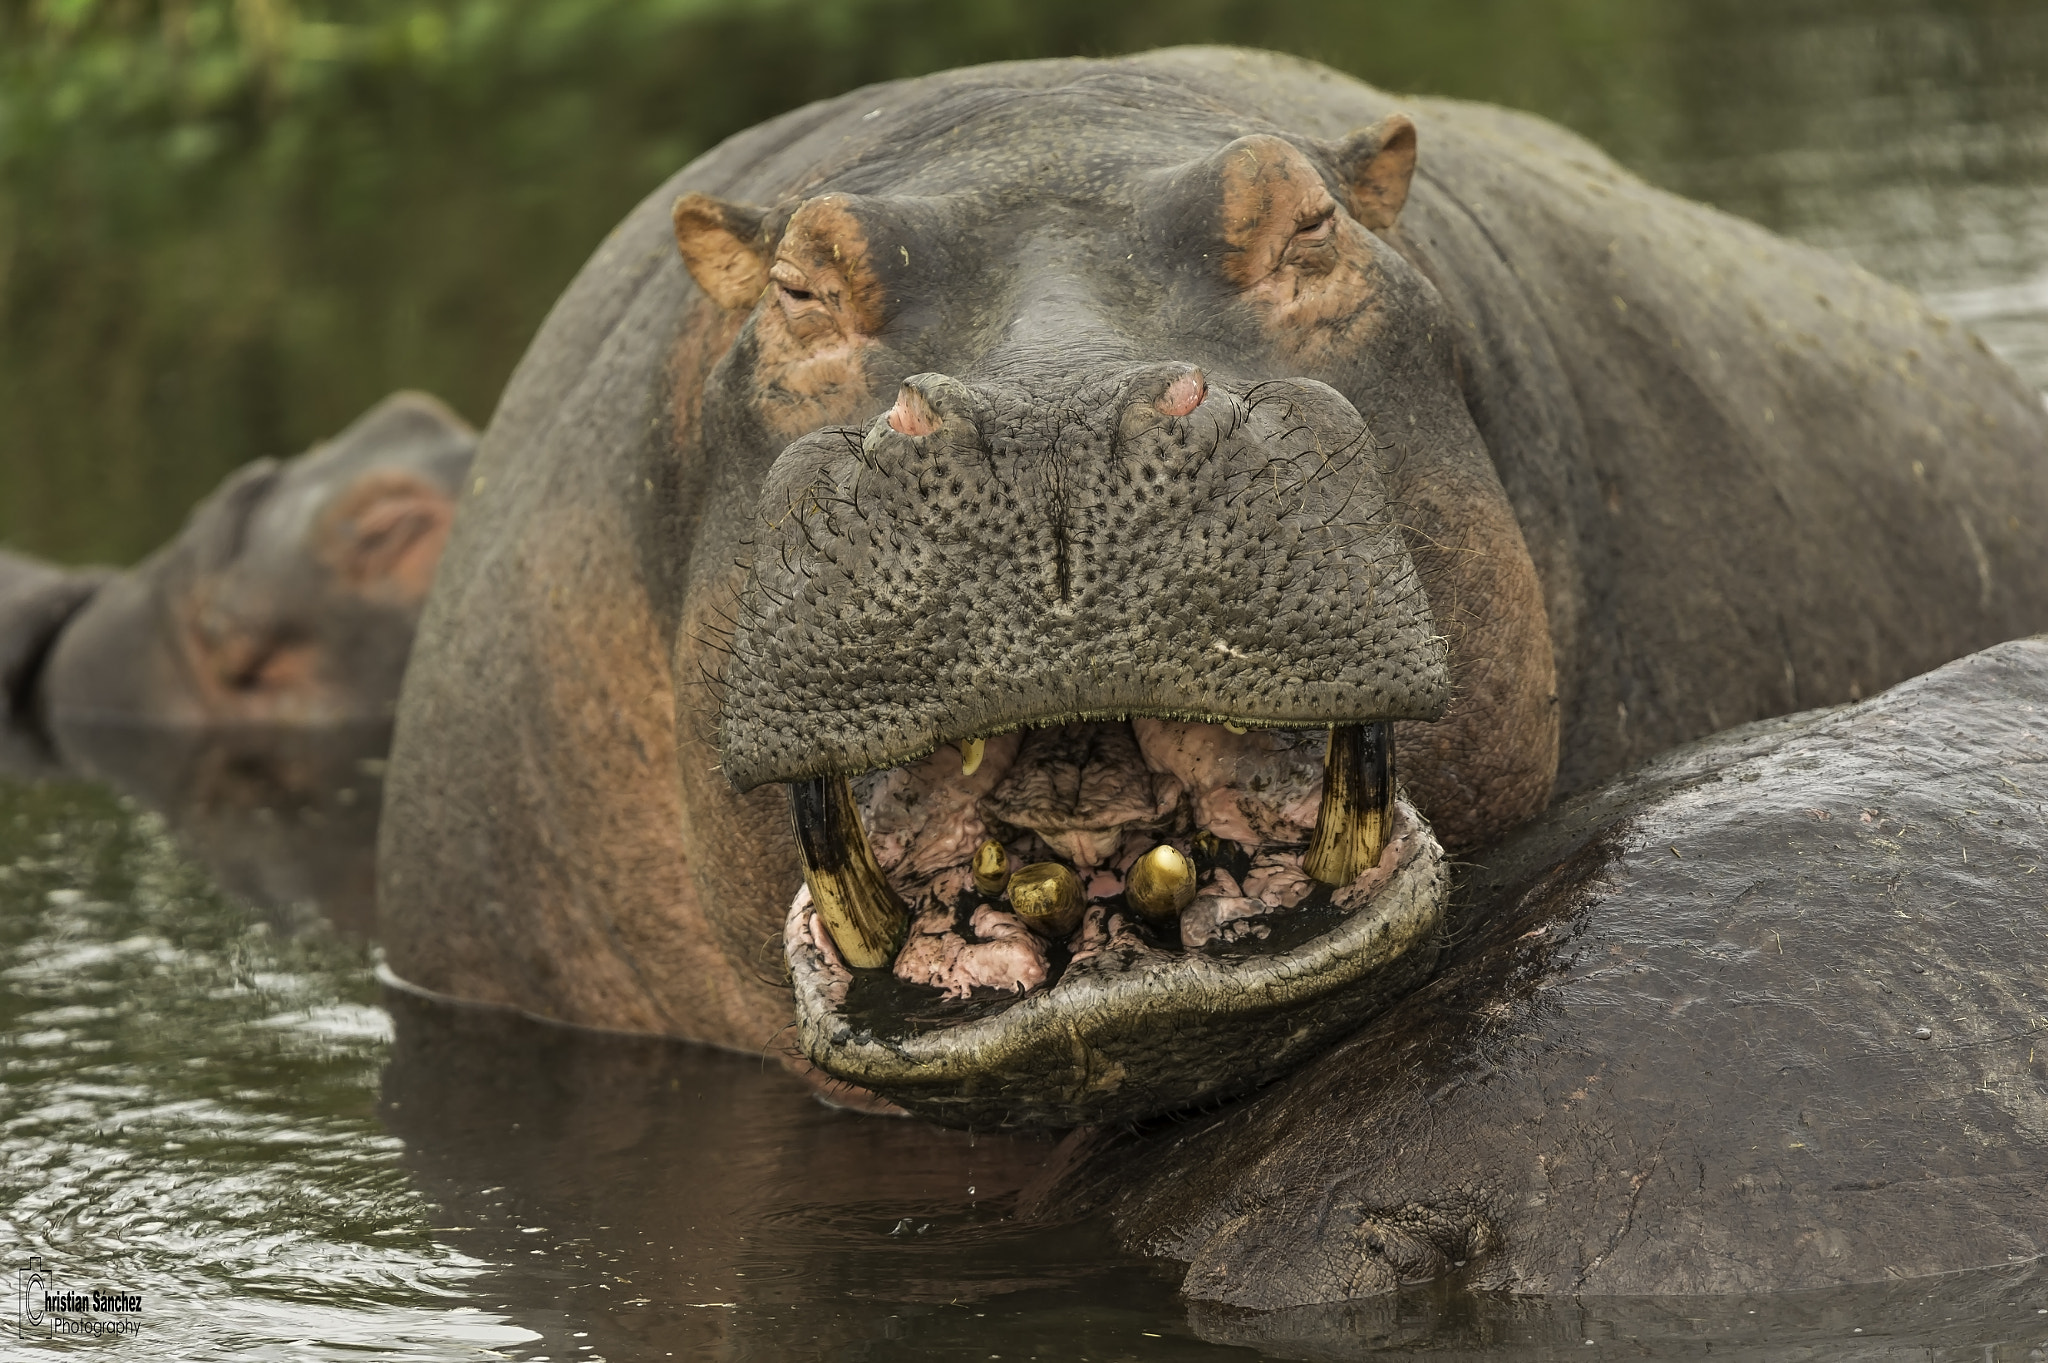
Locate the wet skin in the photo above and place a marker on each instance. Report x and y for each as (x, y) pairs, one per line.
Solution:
(289, 599)
(1762, 1016)
(1015, 438)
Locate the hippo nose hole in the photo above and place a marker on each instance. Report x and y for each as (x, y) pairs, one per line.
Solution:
(1184, 394)
(912, 415)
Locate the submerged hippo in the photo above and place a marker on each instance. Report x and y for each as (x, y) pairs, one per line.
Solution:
(289, 598)
(1052, 560)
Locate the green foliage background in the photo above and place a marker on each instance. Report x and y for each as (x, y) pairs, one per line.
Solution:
(226, 226)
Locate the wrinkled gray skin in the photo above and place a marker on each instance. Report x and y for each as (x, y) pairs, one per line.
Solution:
(1656, 472)
(1765, 1015)
(289, 598)
(1158, 544)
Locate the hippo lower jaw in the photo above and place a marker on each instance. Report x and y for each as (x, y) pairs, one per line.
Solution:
(1147, 980)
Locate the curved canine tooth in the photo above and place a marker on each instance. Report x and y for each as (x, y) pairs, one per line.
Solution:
(867, 921)
(1358, 804)
(1161, 883)
(970, 755)
(1047, 896)
(991, 868)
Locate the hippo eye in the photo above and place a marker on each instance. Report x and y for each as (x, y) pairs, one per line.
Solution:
(791, 287)
(1319, 230)
(1309, 249)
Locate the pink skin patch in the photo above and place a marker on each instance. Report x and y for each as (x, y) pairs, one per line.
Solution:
(1214, 918)
(1253, 788)
(1184, 394)
(1103, 934)
(1104, 884)
(1278, 880)
(811, 932)
(1081, 788)
(911, 415)
(1007, 957)
(922, 819)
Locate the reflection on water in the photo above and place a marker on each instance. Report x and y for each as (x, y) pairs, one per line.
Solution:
(1994, 1316)
(187, 1101)
(213, 1104)
(283, 818)
(660, 1197)
(205, 1097)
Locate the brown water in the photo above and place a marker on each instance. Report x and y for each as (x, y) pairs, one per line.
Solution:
(205, 1095)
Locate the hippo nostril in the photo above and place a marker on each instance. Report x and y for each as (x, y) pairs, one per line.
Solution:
(1184, 394)
(912, 415)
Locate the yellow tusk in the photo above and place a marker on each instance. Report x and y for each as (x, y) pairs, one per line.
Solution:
(1047, 896)
(865, 917)
(991, 868)
(1162, 883)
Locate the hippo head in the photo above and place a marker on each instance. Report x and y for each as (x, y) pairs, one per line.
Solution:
(1068, 451)
(291, 595)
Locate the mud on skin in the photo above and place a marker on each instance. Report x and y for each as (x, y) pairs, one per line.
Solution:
(968, 437)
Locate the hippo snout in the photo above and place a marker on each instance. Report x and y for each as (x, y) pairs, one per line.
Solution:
(1151, 542)
(1046, 673)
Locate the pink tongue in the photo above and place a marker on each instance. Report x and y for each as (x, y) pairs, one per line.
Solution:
(1078, 787)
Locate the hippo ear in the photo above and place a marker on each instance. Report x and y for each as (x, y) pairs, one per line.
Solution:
(723, 248)
(384, 534)
(1377, 163)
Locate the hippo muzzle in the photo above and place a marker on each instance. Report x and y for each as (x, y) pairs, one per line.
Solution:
(1084, 702)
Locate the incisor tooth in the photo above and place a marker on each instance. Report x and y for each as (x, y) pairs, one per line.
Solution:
(1047, 896)
(1358, 804)
(1161, 883)
(991, 868)
(970, 755)
(867, 921)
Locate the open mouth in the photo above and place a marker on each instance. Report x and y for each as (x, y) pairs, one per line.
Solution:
(1147, 632)
(1105, 921)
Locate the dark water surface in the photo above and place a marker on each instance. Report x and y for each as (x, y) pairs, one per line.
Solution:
(206, 1097)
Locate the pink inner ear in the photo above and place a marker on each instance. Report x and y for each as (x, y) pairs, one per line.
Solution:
(910, 415)
(398, 542)
(1184, 394)
(384, 535)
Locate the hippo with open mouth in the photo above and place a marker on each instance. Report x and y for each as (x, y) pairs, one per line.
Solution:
(1051, 562)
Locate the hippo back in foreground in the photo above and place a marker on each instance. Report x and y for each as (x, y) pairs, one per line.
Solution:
(1768, 1014)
